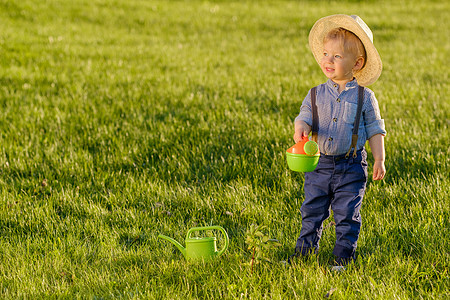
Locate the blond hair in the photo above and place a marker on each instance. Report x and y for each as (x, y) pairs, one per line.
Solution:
(348, 40)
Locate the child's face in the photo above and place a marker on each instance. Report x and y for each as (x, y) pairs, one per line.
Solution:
(338, 64)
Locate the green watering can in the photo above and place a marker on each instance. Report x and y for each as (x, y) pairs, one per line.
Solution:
(200, 248)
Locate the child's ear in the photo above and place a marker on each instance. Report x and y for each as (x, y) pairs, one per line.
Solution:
(359, 64)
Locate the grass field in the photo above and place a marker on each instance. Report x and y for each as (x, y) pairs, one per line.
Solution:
(121, 120)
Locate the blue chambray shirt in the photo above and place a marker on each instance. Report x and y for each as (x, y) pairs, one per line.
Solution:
(337, 114)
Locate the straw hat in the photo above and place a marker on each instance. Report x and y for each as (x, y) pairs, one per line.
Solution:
(372, 69)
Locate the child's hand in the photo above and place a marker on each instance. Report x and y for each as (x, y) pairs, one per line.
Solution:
(378, 170)
(376, 143)
(301, 129)
(297, 136)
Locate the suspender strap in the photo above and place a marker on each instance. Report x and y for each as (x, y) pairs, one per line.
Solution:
(356, 124)
(315, 116)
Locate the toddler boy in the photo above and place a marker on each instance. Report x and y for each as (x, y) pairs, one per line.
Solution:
(343, 47)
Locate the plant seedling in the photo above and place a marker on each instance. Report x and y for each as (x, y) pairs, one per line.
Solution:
(259, 244)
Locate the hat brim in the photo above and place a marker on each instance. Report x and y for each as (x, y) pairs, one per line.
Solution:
(373, 66)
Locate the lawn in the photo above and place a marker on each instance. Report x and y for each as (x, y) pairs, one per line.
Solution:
(125, 119)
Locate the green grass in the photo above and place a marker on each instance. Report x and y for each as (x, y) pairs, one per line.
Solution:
(121, 120)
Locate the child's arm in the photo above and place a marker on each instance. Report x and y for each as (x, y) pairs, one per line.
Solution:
(301, 129)
(376, 143)
(303, 119)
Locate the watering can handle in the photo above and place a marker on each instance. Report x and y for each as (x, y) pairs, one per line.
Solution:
(221, 229)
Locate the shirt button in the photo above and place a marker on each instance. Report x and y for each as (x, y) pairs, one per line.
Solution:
(338, 99)
(335, 85)
(335, 120)
(330, 139)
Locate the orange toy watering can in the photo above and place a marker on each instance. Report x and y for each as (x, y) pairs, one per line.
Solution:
(303, 156)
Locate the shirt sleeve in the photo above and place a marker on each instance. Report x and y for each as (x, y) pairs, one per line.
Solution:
(305, 110)
(373, 122)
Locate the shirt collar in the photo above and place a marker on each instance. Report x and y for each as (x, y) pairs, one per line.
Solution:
(350, 85)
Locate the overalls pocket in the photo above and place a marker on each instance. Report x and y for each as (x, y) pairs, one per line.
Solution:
(349, 112)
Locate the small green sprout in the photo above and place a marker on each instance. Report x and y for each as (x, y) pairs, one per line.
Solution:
(260, 244)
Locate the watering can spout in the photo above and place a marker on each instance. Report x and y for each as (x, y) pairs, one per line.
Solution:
(178, 245)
